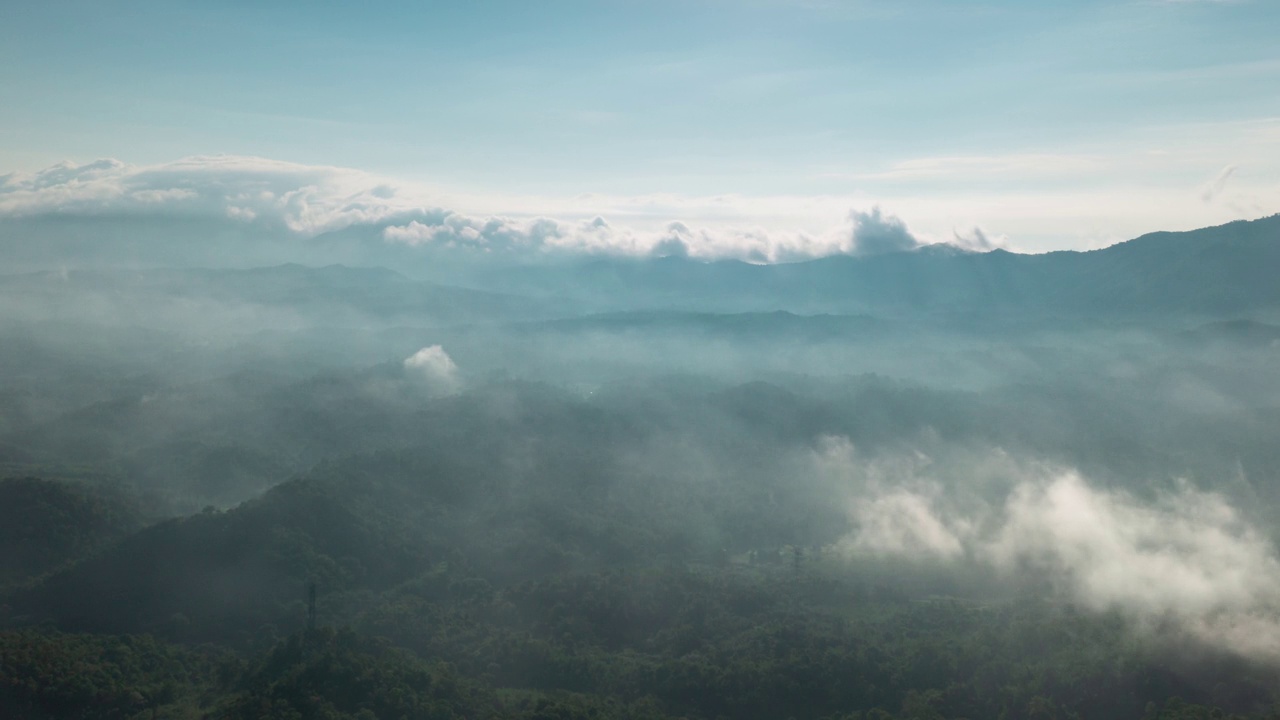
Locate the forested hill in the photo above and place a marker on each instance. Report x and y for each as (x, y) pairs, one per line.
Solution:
(655, 550)
(931, 485)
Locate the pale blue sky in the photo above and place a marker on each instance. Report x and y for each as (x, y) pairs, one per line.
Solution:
(906, 101)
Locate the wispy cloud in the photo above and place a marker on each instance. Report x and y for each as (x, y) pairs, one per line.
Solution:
(1196, 2)
(989, 166)
(1214, 187)
(306, 199)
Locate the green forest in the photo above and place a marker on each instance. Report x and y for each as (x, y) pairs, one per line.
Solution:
(632, 503)
(516, 559)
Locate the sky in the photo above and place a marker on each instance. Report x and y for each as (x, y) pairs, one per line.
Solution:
(1037, 126)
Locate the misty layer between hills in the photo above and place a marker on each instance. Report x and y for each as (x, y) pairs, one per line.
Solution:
(1094, 431)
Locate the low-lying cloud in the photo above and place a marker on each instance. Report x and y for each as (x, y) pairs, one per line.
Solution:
(1184, 559)
(433, 366)
(877, 234)
(903, 522)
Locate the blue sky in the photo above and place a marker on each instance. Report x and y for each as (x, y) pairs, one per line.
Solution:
(1049, 124)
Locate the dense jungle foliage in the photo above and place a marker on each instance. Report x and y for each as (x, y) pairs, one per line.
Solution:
(517, 562)
(713, 491)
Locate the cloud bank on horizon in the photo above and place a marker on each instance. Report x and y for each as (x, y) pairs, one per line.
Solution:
(307, 201)
(718, 129)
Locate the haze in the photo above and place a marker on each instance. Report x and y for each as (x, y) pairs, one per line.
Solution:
(668, 360)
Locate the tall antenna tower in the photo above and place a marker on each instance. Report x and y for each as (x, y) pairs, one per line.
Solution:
(311, 606)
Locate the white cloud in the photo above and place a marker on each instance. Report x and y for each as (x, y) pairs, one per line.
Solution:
(236, 212)
(968, 167)
(903, 522)
(877, 234)
(597, 235)
(1183, 559)
(434, 366)
(896, 504)
(305, 199)
(452, 229)
(1186, 559)
(311, 200)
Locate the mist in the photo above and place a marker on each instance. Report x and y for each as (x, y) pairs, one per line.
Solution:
(753, 360)
(571, 476)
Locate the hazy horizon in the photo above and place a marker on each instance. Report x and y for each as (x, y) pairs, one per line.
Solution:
(759, 124)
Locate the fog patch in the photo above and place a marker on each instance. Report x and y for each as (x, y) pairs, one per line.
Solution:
(903, 522)
(893, 504)
(433, 365)
(1186, 559)
(1183, 561)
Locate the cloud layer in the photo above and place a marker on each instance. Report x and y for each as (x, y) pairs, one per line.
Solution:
(305, 199)
(309, 201)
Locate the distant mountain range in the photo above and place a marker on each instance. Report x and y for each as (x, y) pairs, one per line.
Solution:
(1224, 271)
(291, 293)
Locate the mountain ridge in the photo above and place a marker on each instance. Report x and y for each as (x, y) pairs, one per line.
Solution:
(1223, 269)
